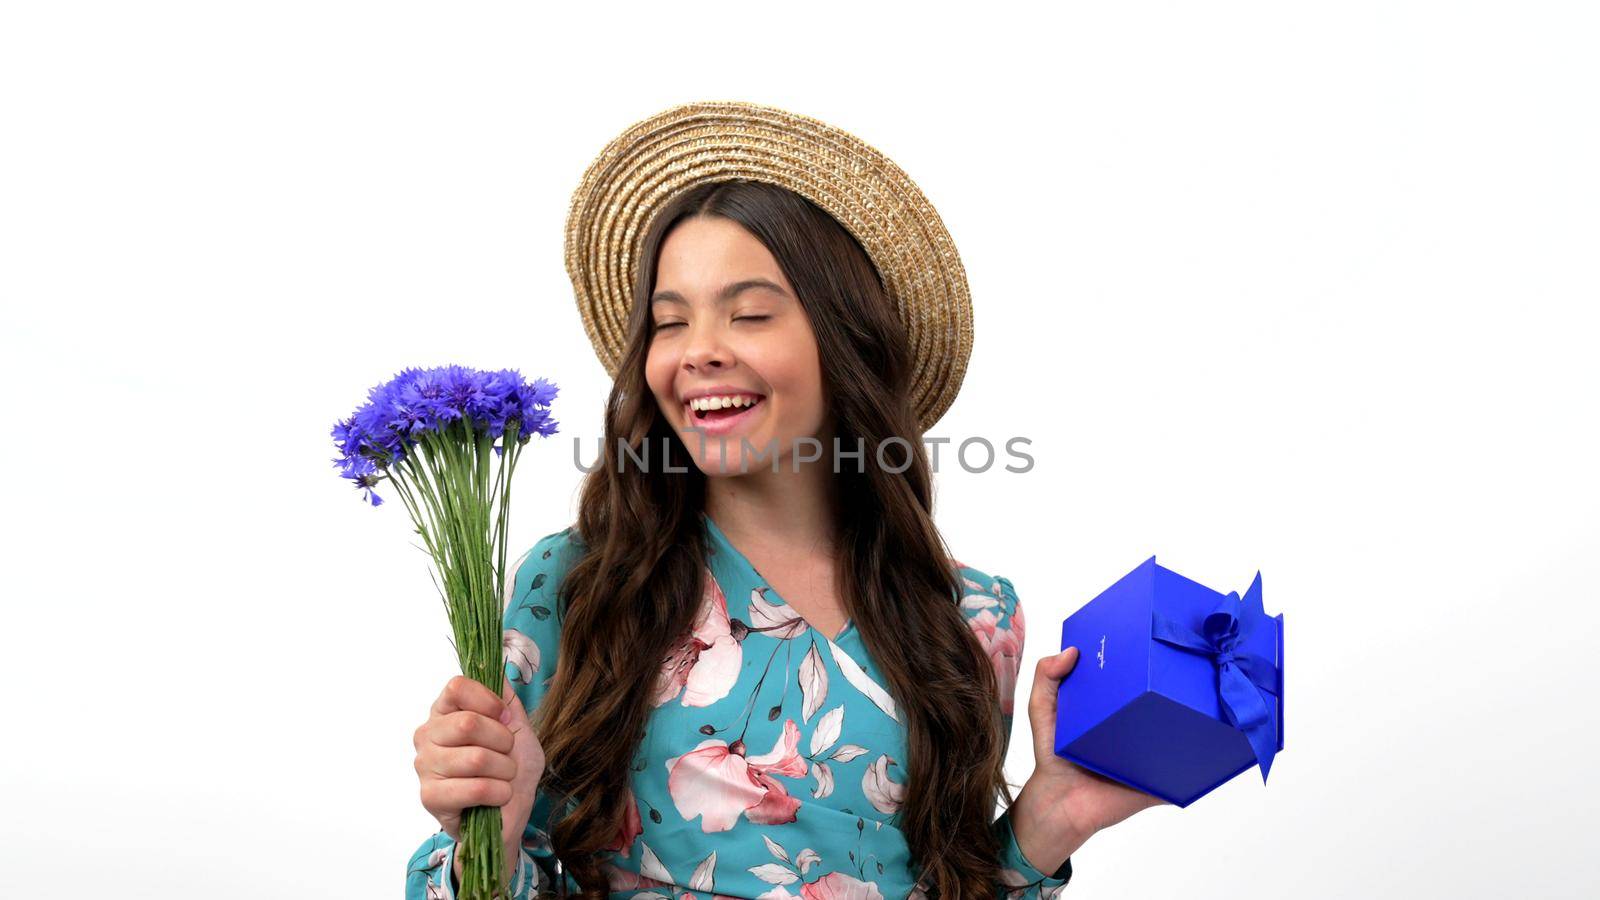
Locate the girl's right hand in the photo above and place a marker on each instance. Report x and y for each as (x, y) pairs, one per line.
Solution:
(468, 755)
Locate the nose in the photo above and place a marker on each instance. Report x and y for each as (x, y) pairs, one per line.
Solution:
(705, 350)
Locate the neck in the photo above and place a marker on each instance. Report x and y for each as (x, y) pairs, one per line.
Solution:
(784, 508)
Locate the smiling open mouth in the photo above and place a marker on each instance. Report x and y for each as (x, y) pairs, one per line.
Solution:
(716, 409)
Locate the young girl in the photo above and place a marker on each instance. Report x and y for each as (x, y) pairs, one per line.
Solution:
(751, 669)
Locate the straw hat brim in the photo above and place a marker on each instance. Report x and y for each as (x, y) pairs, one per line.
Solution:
(655, 159)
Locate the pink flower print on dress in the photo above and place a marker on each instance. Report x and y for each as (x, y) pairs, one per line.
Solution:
(632, 825)
(719, 785)
(832, 886)
(704, 665)
(775, 620)
(522, 653)
(1004, 647)
(839, 886)
(714, 784)
(652, 875)
(884, 793)
(777, 807)
(785, 758)
(1018, 626)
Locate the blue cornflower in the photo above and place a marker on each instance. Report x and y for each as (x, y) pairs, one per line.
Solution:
(417, 402)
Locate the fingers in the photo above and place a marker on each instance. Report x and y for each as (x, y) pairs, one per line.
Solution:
(469, 762)
(457, 794)
(465, 713)
(469, 729)
(1065, 661)
(463, 750)
(1047, 678)
(461, 692)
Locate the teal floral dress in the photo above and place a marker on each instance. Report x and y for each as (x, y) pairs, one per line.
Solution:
(790, 794)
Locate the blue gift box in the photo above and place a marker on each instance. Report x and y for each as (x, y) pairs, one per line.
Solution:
(1177, 688)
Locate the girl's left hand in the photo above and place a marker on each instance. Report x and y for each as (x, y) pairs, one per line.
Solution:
(1062, 804)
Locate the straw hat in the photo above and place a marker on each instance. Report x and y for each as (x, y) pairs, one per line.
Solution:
(654, 160)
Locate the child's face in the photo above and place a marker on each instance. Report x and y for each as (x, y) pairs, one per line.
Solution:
(727, 323)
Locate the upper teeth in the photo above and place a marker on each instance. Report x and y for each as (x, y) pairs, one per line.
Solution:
(721, 402)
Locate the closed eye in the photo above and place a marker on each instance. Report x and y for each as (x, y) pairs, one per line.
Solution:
(662, 326)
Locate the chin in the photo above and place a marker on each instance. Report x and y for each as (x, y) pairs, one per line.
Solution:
(712, 464)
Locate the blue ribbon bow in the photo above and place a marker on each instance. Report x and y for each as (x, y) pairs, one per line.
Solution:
(1242, 678)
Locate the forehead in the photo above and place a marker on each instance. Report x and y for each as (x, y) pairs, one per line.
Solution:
(703, 253)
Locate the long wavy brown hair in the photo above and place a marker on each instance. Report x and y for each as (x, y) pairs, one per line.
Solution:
(636, 585)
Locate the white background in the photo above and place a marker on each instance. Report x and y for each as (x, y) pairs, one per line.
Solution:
(1300, 288)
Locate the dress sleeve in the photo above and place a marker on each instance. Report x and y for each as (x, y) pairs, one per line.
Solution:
(531, 632)
(1019, 877)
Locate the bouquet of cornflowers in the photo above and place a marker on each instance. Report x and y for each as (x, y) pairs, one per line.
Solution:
(447, 439)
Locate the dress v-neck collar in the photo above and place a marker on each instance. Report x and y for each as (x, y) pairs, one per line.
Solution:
(749, 571)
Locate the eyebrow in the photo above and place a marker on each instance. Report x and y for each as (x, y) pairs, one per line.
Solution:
(726, 294)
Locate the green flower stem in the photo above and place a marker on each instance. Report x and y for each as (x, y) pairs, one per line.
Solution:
(460, 501)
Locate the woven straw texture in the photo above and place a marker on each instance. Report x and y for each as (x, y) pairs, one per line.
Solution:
(654, 160)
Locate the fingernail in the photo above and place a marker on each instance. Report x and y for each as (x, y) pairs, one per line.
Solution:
(505, 716)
